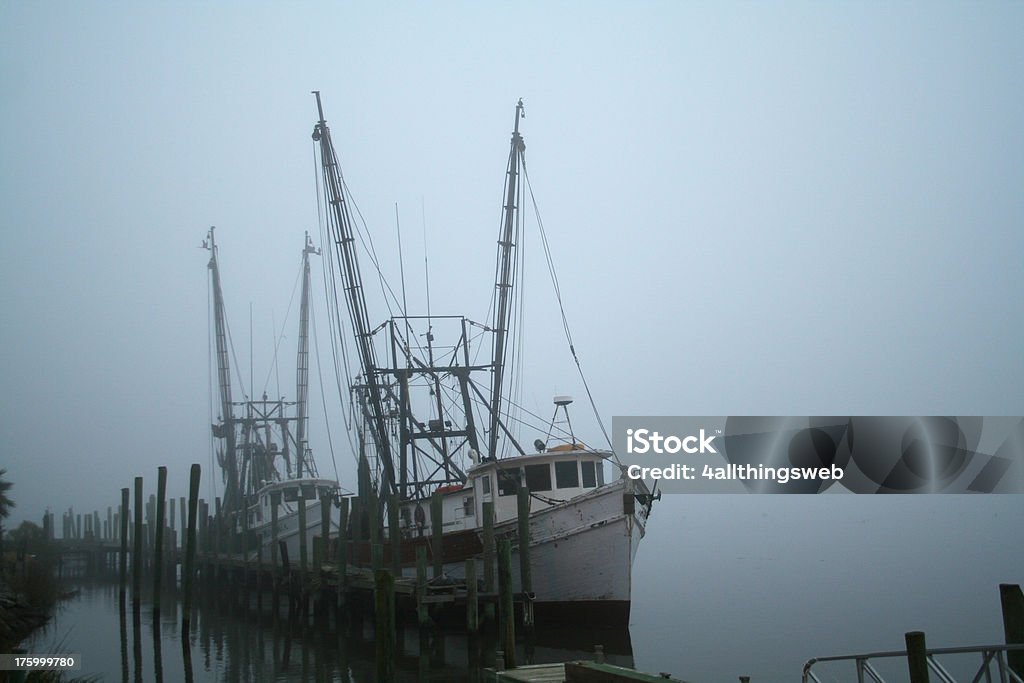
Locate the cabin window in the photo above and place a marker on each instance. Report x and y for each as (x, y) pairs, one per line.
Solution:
(467, 506)
(308, 491)
(600, 473)
(291, 495)
(589, 477)
(538, 477)
(508, 481)
(567, 475)
(485, 484)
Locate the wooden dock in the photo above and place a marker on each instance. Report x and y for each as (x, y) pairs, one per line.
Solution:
(574, 672)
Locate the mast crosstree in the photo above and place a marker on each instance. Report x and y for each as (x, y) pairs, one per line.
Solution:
(412, 371)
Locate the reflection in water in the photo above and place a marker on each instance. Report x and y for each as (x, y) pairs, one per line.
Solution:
(158, 663)
(124, 637)
(137, 640)
(248, 644)
(186, 658)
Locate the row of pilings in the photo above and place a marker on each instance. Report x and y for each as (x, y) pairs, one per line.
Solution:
(354, 571)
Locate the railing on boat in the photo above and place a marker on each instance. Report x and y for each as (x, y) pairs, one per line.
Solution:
(990, 654)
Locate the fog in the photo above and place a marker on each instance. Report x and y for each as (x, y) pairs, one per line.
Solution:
(754, 209)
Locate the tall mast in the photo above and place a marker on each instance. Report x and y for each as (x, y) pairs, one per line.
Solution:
(302, 363)
(226, 429)
(341, 227)
(505, 280)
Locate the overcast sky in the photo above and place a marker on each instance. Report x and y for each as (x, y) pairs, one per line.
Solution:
(754, 208)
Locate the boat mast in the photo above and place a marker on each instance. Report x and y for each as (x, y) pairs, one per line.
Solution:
(340, 220)
(226, 429)
(505, 281)
(302, 362)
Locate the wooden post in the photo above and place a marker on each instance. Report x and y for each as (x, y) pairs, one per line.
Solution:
(110, 523)
(171, 515)
(472, 621)
(372, 509)
(303, 557)
(275, 502)
(489, 584)
(437, 531)
(202, 527)
(394, 536)
(124, 543)
(384, 629)
(422, 614)
(218, 525)
(525, 573)
(1012, 600)
(343, 535)
(325, 526)
(137, 553)
(158, 547)
(507, 617)
(150, 519)
(377, 556)
(917, 659)
(184, 520)
(190, 550)
(357, 530)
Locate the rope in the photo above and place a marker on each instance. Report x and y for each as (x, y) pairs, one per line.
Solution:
(323, 396)
(284, 324)
(561, 308)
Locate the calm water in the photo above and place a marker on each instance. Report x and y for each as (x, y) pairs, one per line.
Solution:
(723, 586)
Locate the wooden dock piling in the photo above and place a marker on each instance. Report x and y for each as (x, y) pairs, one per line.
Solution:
(917, 658)
(394, 535)
(525, 573)
(158, 537)
(1012, 601)
(506, 614)
(184, 520)
(137, 552)
(489, 558)
(422, 613)
(124, 543)
(303, 557)
(472, 615)
(190, 542)
(343, 554)
(325, 526)
(437, 532)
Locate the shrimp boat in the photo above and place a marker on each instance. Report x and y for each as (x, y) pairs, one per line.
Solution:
(437, 429)
(267, 467)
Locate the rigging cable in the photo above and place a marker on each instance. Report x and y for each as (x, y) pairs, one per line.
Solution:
(561, 308)
(334, 318)
(323, 396)
(280, 338)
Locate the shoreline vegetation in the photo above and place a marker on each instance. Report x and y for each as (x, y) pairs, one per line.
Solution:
(29, 594)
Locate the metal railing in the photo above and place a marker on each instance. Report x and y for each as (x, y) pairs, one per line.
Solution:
(990, 654)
